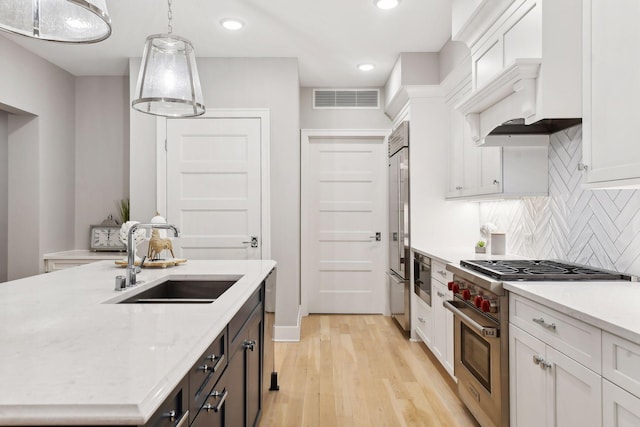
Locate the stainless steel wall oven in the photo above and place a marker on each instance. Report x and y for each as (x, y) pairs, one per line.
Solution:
(422, 277)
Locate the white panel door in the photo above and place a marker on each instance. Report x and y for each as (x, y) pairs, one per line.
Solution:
(214, 186)
(344, 197)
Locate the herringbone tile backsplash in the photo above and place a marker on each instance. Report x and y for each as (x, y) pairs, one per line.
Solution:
(600, 228)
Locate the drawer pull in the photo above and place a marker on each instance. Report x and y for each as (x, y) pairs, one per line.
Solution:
(421, 320)
(221, 398)
(443, 273)
(541, 322)
(172, 417)
(440, 294)
(249, 344)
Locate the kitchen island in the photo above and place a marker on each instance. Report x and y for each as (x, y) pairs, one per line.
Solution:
(70, 354)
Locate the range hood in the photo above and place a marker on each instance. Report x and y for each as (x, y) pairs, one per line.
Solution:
(509, 109)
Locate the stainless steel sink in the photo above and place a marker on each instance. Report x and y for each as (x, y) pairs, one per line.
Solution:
(182, 292)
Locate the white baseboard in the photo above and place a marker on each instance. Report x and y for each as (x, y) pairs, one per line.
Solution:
(288, 333)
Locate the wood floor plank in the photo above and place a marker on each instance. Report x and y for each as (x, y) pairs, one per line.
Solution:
(360, 370)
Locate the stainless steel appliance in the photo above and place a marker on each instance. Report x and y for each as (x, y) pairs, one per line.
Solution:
(481, 326)
(422, 277)
(399, 246)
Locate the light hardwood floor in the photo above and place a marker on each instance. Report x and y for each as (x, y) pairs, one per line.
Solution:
(355, 370)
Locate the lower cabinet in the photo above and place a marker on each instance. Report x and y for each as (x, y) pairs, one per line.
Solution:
(224, 387)
(619, 408)
(549, 388)
(442, 321)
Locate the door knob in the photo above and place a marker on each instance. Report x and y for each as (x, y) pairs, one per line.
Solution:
(253, 242)
(378, 236)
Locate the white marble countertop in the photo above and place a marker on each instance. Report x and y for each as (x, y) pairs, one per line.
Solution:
(69, 355)
(85, 254)
(611, 306)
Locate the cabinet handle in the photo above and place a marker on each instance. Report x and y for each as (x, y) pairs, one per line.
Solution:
(440, 294)
(541, 322)
(172, 417)
(537, 359)
(544, 364)
(496, 182)
(249, 344)
(443, 273)
(458, 187)
(421, 319)
(221, 398)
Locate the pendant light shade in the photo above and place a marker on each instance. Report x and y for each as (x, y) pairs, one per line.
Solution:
(168, 83)
(67, 21)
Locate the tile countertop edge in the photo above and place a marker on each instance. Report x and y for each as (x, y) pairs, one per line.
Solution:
(136, 412)
(588, 305)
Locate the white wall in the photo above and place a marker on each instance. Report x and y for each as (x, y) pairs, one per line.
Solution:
(41, 157)
(102, 151)
(242, 83)
(4, 192)
(311, 118)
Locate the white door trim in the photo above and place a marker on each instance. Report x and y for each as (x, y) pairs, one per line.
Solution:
(265, 160)
(305, 239)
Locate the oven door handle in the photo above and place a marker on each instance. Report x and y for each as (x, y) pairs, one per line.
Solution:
(482, 330)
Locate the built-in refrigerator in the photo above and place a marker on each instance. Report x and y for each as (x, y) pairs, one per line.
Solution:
(399, 245)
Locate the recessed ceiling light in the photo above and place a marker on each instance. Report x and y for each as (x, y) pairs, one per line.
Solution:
(386, 4)
(232, 24)
(366, 67)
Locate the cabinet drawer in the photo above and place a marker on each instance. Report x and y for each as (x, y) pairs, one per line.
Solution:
(621, 362)
(212, 413)
(619, 408)
(576, 339)
(439, 272)
(243, 314)
(206, 372)
(423, 321)
(173, 411)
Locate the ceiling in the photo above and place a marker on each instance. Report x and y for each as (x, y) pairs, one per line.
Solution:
(329, 37)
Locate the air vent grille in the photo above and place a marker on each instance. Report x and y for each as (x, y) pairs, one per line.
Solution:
(346, 98)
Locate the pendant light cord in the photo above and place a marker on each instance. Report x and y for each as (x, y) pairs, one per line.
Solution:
(170, 16)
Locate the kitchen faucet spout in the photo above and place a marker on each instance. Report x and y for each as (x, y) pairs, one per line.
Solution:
(132, 270)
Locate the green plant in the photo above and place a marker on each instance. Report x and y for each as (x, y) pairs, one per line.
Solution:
(481, 243)
(123, 209)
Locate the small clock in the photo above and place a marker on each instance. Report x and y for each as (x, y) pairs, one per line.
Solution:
(106, 236)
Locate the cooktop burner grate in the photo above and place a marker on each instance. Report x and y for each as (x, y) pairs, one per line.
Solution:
(539, 270)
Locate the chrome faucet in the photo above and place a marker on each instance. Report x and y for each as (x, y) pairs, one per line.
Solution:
(132, 270)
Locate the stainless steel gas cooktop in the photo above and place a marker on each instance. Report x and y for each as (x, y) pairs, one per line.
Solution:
(540, 270)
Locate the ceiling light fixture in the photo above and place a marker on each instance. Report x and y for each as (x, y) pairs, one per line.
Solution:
(168, 83)
(232, 24)
(386, 4)
(66, 21)
(366, 67)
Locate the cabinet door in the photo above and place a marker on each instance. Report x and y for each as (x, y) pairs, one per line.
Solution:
(574, 395)
(424, 324)
(610, 91)
(619, 408)
(235, 382)
(438, 321)
(214, 410)
(526, 379)
(253, 367)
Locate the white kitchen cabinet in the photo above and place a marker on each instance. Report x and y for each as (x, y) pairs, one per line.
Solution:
(488, 172)
(619, 408)
(422, 321)
(611, 152)
(548, 388)
(441, 318)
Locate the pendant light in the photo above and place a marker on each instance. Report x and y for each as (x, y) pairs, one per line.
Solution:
(67, 21)
(168, 82)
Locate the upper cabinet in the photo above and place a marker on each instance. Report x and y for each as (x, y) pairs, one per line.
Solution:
(488, 172)
(611, 153)
(525, 63)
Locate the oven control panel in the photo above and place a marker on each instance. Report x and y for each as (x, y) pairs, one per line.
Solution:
(475, 296)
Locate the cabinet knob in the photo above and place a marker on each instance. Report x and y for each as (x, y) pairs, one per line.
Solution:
(458, 187)
(249, 344)
(421, 320)
(582, 166)
(496, 182)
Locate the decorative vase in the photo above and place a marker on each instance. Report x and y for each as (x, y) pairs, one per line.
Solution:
(481, 249)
